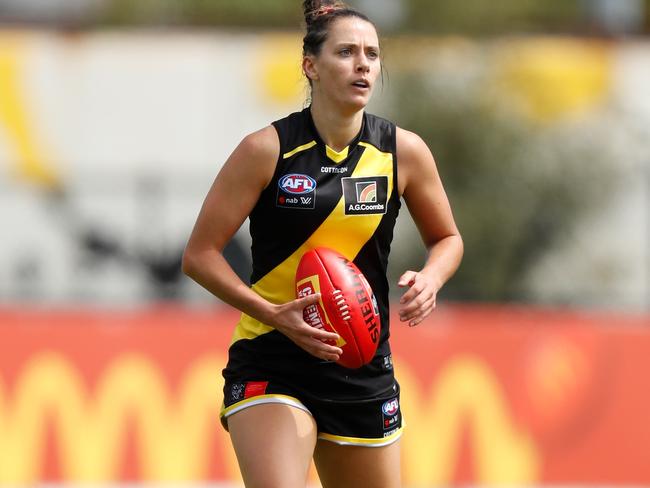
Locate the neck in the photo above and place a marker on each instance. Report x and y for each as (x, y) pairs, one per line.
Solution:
(336, 129)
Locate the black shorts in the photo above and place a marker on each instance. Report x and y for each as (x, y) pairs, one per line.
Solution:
(373, 422)
(351, 407)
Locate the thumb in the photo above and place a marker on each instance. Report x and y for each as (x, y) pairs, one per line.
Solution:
(407, 279)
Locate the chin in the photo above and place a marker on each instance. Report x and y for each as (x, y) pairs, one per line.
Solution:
(356, 104)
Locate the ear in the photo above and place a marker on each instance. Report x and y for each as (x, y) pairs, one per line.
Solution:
(309, 68)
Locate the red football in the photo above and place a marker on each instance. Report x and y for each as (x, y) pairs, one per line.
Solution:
(347, 306)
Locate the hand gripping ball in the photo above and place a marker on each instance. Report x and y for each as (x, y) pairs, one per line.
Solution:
(347, 306)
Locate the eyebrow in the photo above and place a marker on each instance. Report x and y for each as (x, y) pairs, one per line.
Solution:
(354, 44)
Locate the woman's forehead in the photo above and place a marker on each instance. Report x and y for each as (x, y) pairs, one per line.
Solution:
(352, 30)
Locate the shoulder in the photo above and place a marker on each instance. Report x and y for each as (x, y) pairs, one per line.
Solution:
(410, 145)
(263, 143)
(416, 163)
(255, 156)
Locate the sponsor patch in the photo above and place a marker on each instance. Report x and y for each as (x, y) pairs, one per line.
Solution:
(365, 195)
(296, 191)
(334, 169)
(391, 432)
(255, 388)
(390, 414)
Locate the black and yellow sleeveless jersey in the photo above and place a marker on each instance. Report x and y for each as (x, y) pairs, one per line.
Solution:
(347, 201)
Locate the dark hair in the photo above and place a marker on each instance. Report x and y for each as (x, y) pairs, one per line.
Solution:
(319, 15)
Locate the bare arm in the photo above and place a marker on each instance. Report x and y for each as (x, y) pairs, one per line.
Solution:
(230, 200)
(422, 189)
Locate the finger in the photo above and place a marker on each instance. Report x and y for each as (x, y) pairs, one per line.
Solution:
(328, 357)
(424, 309)
(416, 303)
(331, 350)
(415, 289)
(324, 351)
(419, 319)
(407, 279)
(323, 335)
(426, 305)
(307, 300)
(415, 322)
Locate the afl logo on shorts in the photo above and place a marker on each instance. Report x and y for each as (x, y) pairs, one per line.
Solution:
(297, 184)
(390, 407)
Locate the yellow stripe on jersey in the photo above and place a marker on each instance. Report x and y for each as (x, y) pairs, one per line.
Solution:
(304, 147)
(337, 156)
(347, 234)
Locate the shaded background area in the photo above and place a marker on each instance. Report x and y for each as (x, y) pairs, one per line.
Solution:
(472, 17)
(536, 112)
(115, 116)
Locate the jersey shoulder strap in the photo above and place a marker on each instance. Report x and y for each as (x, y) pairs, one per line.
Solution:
(294, 132)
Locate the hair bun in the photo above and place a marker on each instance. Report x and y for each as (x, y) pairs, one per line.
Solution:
(315, 8)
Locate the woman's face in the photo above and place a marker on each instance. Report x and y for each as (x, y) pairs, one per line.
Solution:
(345, 71)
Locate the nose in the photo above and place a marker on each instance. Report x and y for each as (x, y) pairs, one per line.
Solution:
(363, 66)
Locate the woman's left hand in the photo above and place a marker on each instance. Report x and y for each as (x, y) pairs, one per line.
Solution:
(420, 299)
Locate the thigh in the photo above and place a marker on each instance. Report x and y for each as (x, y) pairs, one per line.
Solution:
(341, 466)
(274, 444)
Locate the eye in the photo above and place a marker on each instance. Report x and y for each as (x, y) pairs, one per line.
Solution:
(373, 54)
(345, 51)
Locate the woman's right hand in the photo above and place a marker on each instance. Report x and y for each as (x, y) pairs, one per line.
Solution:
(288, 319)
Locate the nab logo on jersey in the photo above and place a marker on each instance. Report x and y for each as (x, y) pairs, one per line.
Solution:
(297, 184)
(366, 195)
(296, 191)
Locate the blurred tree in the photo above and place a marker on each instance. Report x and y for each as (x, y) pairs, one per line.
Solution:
(515, 185)
(258, 13)
(489, 17)
(469, 17)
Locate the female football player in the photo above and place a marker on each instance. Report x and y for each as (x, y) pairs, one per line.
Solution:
(331, 175)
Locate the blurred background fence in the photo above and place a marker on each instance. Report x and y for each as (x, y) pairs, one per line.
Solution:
(115, 116)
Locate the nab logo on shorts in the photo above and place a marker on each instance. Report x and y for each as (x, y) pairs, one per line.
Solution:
(296, 191)
(365, 196)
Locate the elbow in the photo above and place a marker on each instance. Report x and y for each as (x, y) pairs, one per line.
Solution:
(188, 263)
(459, 244)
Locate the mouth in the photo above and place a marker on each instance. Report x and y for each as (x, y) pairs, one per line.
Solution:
(363, 84)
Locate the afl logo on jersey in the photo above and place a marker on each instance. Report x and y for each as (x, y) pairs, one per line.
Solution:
(297, 184)
(296, 191)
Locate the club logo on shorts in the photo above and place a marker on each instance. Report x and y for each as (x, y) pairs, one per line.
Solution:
(365, 195)
(296, 191)
(237, 392)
